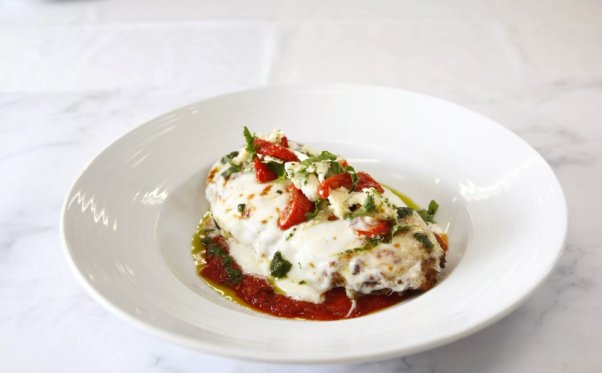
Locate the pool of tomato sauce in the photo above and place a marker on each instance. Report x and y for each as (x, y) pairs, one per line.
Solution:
(257, 293)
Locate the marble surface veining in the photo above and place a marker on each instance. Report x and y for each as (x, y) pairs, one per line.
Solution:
(75, 75)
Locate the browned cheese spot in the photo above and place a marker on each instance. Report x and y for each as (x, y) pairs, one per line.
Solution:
(212, 175)
(246, 213)
(337, 279)
(266, 190)
(251, 196)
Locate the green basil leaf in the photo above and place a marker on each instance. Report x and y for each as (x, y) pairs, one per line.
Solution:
(279, 266)
(250, 140)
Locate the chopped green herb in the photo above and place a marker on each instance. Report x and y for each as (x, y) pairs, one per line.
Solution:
(428, 215)
(367, 246)
(232, 170)
(335, 168)
(277, 168)
(250, 140)
(234, 275)
(367, 208)
(302, 282)
(353, 174)
(227, 260)
(399, 229)
(424, 240)
(369, 205)
(313, 214)
(280, 179)
(425, 216)
(288, 236)
(214, 249)
(403, 212)
(375, 240)
(324, 156)
(279, 266)
(242, 207)
(433, 207)
(228, 157)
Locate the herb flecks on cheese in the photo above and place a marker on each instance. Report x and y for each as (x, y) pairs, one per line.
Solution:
(346, 229)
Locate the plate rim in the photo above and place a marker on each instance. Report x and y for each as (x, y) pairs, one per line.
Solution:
(240, 353)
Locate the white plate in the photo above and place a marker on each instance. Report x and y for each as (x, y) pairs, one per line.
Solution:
(128, 220)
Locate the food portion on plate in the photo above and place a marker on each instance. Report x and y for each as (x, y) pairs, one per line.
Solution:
(302, 234)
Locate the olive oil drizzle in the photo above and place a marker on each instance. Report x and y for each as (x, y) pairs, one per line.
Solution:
(407, 200)
(198, 255)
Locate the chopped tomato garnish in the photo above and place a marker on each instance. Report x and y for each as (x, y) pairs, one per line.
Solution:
(265, 147)
(343, 163)
(263, 172)
(334, 182)
(344, 180)
(366, 181)
(284, 142)
(374, 229)
(294, 212)
(442, 239)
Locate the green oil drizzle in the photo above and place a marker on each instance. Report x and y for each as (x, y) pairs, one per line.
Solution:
(407, 200)
(198, 254)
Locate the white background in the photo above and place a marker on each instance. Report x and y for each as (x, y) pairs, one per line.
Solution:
(75, 75)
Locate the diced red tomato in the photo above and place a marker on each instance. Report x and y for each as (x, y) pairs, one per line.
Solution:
(265, 147)
(294, 212)
(263, 172)
(284, 142)
(343, 163)
(344, 180)
(366, 181)
(334, 182)
(374, 229)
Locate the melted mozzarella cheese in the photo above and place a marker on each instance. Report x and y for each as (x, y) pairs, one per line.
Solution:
(323, 253)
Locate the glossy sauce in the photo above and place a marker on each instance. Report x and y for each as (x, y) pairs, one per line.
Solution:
(407, 200)
(257, 293)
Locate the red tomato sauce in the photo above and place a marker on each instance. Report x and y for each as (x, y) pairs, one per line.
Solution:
(257, 293)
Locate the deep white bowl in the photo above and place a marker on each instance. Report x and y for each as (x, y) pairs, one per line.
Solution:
(129, 218)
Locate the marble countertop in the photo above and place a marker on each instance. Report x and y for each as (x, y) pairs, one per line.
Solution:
(75, 75)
